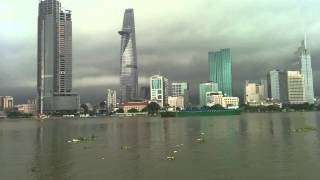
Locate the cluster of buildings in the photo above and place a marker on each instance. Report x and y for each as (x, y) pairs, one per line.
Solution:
(54, 75)
(54, 87)
(218, 91)
(7, 105)
(284, 87)
(171, 95)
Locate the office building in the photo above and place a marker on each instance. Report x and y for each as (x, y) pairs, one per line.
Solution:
(306, 71)
(176, 102)
(181, 89)
(217, 98)
(264, 82)
(296, 94)
(111, 100)
(27, 108)
(255, 94)
(220, 70)
(145, 92)
(30, 107)
(54, 84)
(128, 59)
(139, 106)
(159, 86)
(278, 86)
(6, 102)
(204, 88)
(1, 104)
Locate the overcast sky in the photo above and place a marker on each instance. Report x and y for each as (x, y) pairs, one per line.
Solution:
(173, 37)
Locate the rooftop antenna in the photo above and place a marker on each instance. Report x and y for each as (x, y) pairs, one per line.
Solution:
(305, 40)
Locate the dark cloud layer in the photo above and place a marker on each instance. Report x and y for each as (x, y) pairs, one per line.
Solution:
(173, 41)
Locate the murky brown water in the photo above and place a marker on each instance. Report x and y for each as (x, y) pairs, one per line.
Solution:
(246, 147)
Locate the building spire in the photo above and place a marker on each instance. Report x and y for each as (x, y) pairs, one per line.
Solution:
(305, 41)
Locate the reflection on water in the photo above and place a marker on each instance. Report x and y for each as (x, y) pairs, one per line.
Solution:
(250, 146)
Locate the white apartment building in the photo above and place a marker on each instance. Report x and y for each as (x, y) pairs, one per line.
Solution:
(214, 98)
(176, 101)
(296, 94)
(111, 100)
(159, 90)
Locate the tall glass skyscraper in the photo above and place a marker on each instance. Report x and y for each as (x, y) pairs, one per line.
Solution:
(54, 85)
(128, 59)
(220, 70)
(306, 71)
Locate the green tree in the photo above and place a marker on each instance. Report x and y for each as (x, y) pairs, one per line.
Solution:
(19, 115)
(153, 108)
(85, 108)
(133, 110)
(120, 110)
(217, 107)
(274, 108)
(205, 108)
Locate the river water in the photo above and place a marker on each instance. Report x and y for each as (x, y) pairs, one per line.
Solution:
(246, 147)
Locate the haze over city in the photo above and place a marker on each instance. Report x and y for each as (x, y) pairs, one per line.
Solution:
(173, 37)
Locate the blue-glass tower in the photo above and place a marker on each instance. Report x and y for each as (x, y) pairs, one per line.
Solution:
(220, 70)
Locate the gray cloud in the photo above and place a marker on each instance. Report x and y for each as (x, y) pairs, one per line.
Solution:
(173, 39)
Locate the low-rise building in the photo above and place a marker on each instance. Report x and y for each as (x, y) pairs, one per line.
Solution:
(255, 94)
(27, 108)
(6, 102)
(133, 105)
(176, 101)
(204, 88)
(214, 98)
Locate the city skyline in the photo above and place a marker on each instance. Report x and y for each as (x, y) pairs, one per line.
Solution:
(102, 53)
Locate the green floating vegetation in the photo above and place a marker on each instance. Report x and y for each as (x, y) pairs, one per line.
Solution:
(34, 169)
(81, 139)
(171, 158)
(201, 140)
(125, 147)
(304, 129)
